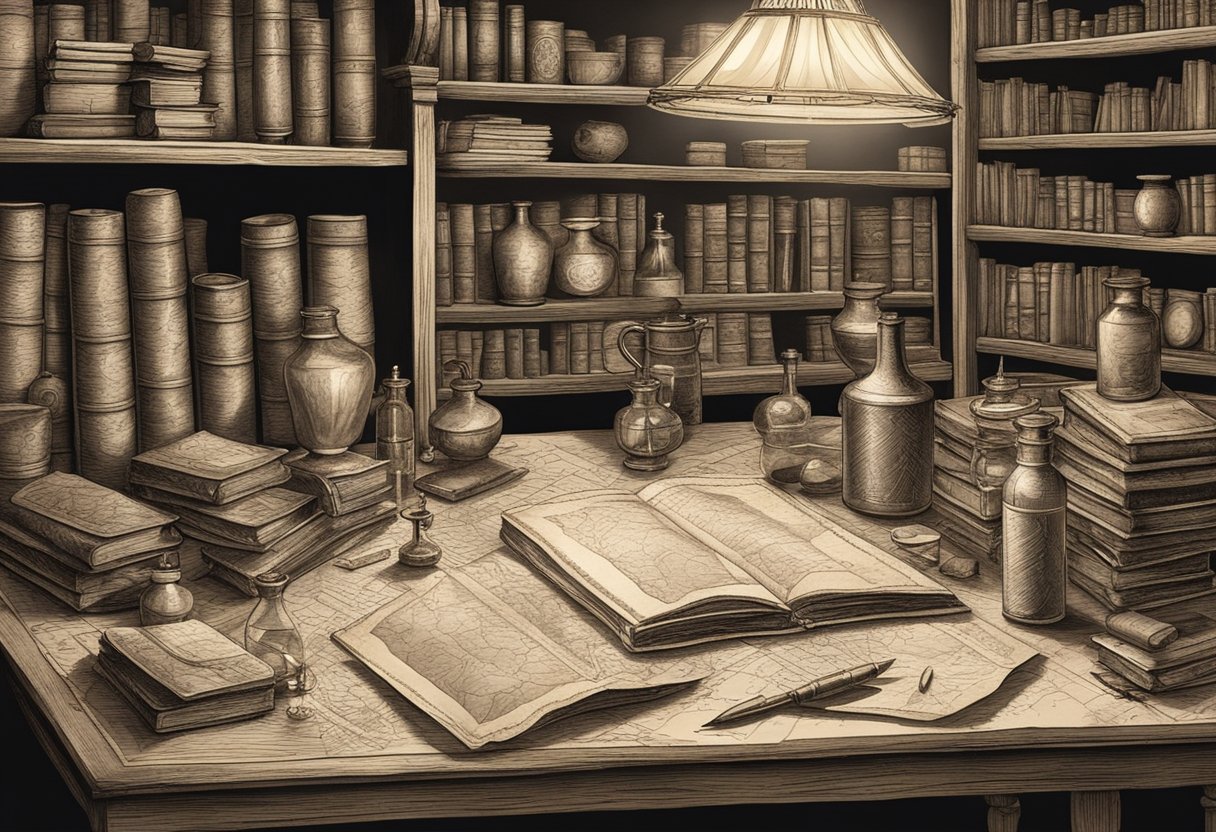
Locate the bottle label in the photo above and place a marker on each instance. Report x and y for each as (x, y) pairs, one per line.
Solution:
(1034, 563)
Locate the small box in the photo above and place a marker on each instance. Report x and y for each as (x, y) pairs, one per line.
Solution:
(775, 154)
(917, 159)
(706, 154)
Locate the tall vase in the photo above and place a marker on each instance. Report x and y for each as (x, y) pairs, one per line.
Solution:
(855, 329)
(523, 258)
(1129, 344)
(583, 267)
(329, 385)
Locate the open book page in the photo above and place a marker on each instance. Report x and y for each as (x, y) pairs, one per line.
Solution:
(629, 557)
(784, 543)
(491, 649)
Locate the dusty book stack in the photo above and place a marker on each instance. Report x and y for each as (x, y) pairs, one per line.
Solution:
(1170, 651)
(1015, 107)
(1008, 22)
(87, 94)
(1014, 197)
(969, 516)
(487, 140)
(167, 88)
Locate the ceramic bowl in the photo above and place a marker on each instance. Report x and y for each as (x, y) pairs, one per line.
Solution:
(600, 142)
(595, 68)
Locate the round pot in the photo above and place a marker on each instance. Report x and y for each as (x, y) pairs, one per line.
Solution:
(1158, 207)
(855, 329)
(584, 267)
(523, 258)
(600, 141)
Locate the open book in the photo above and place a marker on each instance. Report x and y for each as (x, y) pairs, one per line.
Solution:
(696, 559)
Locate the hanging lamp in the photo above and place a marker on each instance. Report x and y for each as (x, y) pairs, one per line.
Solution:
(804, 62)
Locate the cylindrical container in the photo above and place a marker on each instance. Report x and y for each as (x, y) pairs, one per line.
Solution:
(644, 62)
(272, 70)
(339, 274)
(706, 154)
(484, 34)
(1034, 565)
(243, 67)
(219, 77)
(523, 261)
(855, 329)
(697, 37)
(65, 22)
(25, 442)
(395, 436)
(156, 252)
(310, 78)
(546, 45)
(17, 76)
(647, 430)
(658, 276)
(1129, 344)
(354, 66)
(516, 45)
(270, 261)
(53, 393)
(223, 351)
(196, 246)
(673, 66)
(22, 281)
(57, 339)
(1158, 207)
(888, 427)
(131, 22)
(329, 384)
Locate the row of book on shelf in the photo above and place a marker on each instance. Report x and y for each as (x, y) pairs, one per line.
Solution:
(748, 244)
(1055, 303)
(1015, 22)
(1015, 107)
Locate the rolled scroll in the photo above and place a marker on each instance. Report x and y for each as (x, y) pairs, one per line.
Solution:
(196, 247)
(17, 81)
(272, 70)
(243, 10)
(25, 442)
(223, 354)
(219, 78)
(131, 21)
(310, 81)
(354, 65)
(339, 274)
(22, 261)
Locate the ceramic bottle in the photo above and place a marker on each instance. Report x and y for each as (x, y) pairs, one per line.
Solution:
(583, 267)
(523, 259)
(1129, 344)
(855, 329)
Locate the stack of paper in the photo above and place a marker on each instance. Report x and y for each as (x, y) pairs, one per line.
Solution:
(167, 90)
(481, 140)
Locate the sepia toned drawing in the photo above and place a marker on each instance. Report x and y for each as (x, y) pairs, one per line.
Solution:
(375, 383)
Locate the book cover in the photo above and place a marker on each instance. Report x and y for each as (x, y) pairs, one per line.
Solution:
(1162, 428)
(210, 468)
(736, 244)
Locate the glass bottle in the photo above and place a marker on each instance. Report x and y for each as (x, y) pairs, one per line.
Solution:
(1129, 343)
(995, 453)
(647, 430)
(786, 408)
(1034, 588)
(270, 633)
(657, 274)
(395, 436)
(165, 601)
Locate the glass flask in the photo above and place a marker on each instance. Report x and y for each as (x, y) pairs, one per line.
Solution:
(270, 633)
(647, 430)
(788, 407)
(786, 451)
(395, 436)
(995, 454)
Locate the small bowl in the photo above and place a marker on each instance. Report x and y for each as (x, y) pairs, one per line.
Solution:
(595, 68)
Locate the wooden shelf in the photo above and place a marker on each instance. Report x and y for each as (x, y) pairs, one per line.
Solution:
(1113, 46)
(688, 173)
(1091, 141)
(140, 152)
(618, 95)
(1173, 245)
(1172, 361)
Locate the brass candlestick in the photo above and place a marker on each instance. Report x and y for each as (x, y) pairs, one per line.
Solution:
(420, 550)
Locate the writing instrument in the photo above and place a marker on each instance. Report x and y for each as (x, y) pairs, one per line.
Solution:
(824, 686)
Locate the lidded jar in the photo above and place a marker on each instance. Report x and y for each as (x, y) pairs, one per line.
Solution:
(270, 632)
(166, 601)
(855, 329)
(1158, 206)
(395, 435)
(464, 427)
(995, 452)
(647, 430)
(1129, 343)
(583, 267)
(657, 274)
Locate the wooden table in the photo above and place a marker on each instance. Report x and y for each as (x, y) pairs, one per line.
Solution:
(369, 755)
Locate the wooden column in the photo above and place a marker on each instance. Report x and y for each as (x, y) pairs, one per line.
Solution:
(1095, 811)
(1004, 812)
(1208, 801)
(966, 154)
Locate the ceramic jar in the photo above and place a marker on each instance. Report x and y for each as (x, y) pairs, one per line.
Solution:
(546, 51)
(855, 329)
(584, 267)
(523, 258)
(465, 428)
(600, 141)
(166, 601)
(1129, 344)
(329, 384)
(647, 431)
(1158, 207)
(657, 274)
(644, 62)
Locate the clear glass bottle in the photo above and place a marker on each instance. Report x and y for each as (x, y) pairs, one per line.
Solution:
(786, 408)
(165, 601)
(270, 632)
(1034, 565)
(1129, 344)
(647, 430)
(995, 454)
(395, 436)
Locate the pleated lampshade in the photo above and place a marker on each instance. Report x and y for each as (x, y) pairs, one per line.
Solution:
(804, 62)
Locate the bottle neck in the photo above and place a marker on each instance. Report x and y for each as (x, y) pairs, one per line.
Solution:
(1128, 297)
(320, 327)
(891, 357)
(790, 386)
(1033, 454)
(521, 214)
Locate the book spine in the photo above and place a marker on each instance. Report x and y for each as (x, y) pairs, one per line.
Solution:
(445, 352)
(580, 354)
(1209, 320)
(694, 249)
(224, 357)
(18, 81)
(131, 21)
(1028, 317)
(736, 244)
(515, 353)
(103, 363)
(464, 254)
(272, 103)
(219, 77)
(1058, 304)
(304, 9)
(179, 37)
(484, 43)
(732, 339)
(872, 245)
(65, 22)
(595, 346)
(194, 23)
(270, 261)
(759, 244)
(57, 332)
(840, 266)
(90, 19)
(547, 216)
(464, 346)
(479, 350)
(339, 275)
(483, 241)
(559, 348)
(1042, 276)
(354, 68)
(608, 232)
(532, 366)
(443, 255)
(494, 355)
(901, 243)
(1012, 319)
(627, 228)
(460, 42)
(156, 252)
(42, 43)
(22, 286)
(924, 233)
(447, 44)
(805, 244)
(785, 230)
(516, 52)
(821, 245)
(243, 69)
(196, 246)
(716, 249)
(760, 349)
(310, 73)
(162, 25)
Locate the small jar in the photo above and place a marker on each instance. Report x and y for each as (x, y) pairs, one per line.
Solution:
(995, 454)
(1129, 344)
(166, 601)
(465, 428)
(1158, 207)
(644, 62)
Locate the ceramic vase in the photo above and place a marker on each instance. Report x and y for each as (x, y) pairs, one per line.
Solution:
(855, 329)
(647, 431)
(600, 141)
(1129, 344)
(584, 267)
(1158, 207)
(523, 258)
(465, 428)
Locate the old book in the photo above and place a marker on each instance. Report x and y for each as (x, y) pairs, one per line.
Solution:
(1042, 303)
(1144, 598)
(784, 249)
(169, 57)
(22, 290)
(185, 675)
(196, 246)
(980, 539)
(760, 350)
(1028, 304)
(310, 81)
(18, 81)
(1090, 562)
(494, 355)
(841, 240)
(1135, 486)
(759, 244)
(819, 269)
(1166, 427)
(608, 232)
(1209, 320)
(1195, 641)
(628, 223)
(464, 254)
(339, 274)
(484, 40)
(224, 357)
(694, 250)
(559, 349)
(443, 255)
(734, 593)
(1192, 515)
(76, 126)
(531, 352)
(156, 252)
(272, 106)
(207, 468)
(464, 481)
(447, 44)
(256, 522)
(162, 92)
(243, 37)
(190, 124)
(871, 244)
(178, 30)
(342, 484)
(924, 235)
(595, 346)
(514, 340)
(354, 68)
(61, 70)
(1194, 674)
(460, 43)
(464, 346)
(86, 99)
(580, 351)
(130, 21)
(716, 249)
(57, 334)
(732, 339)
(515, 46)
(901, 243)
(219, 78)
(736, 244)
(483, 241)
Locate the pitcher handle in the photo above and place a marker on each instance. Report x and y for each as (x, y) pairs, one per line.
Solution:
(620, 342)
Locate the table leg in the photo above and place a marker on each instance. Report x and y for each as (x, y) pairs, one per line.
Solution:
(1208, 801)
(1095, 811)
(1004, 812)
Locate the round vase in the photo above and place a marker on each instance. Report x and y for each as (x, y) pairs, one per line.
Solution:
(329, 385)
(1158, 207)
(523, 258)
(647, 431)
(465, 428)
(855, 329)
(584, 267)
(600, 141)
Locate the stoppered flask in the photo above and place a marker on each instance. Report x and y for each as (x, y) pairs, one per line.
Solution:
(395, 436)
(788, 407)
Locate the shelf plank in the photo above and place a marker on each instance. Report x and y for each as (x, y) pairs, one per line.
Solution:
(1112, 46)
(1173, 245)
(688, 173)
(1090, 141)
(140, 152)
(1172, 361)
(618, 95)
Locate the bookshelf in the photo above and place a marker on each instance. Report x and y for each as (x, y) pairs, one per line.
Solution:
(685, 173)
(1111, 46)
(143, 152)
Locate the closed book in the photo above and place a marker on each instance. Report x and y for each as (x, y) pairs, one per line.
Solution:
(256, 522)
(871, 244)
(980, 539)
(608, 231)
(464, 254)
(580, 354)
(23, 275)
(219, 78)
(460, 43)
(736, 244)
(343, 483)
(243, 36)
(311, 90)
(483, 241)
(1145, 598)
(924, 236)
(595, 346)
(73, 126)
(760, 350)
(1148, 484)
(515, 353)
(224, 357)
(1090, 563)
(209, 468)
(484, 40)
(952, 477)
(531, 352)
(86, 99)
(732, 339)
(62, 70)
(1042, 303)
(339, 274)
(1163, 428)
(694, 249)
(821, 245)
(760, 244)
(1196, 641)
(559, 349)
(1195, 516)
(18, 76)
(1028, 298)
(784, 244)
(494, 355)
(354, 73)
(443, 256)
(515, 46)
(447, 44)
(901, 243)
(1194, 674)
(716, 249)
(158, 92)
(628, 223)
(1209, 320)
(170, 57)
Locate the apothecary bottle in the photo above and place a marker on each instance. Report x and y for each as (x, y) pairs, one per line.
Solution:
(1034, 563)
(165, 601)
(270, 632)
(647, 430)
(788, 407)
(395, 436)
(1129, 344)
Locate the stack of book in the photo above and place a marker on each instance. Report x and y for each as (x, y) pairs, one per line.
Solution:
(490, 140)
(87, 95)
(184, 675)
(228, 496)
(1189, 660)
(1141, 497)
(968, 516)
(167, 88)
(1016, 197)
(92, 548)
(1198, 195)
(1008, 22)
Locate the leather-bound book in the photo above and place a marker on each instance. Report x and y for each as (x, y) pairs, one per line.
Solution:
(103, 372)
(310, 78)
(627, 231)
(821, 245)
(270, 261)
(339, 274)
(547, 216)
(732, 339)
(559, 349)
(194, 24)
(22, 286)
(162, 24)
(219, 78)
(608, 232)
(924, 224)
(223, 354)
(580, 354)
(243, 68)
(94, 99)
(304, 9)
(736, 244)
(759, 244)
(65, 22)
(901, 243)
(272, 117)
(156, 251)
(57, 332)
(840, 266)
(206, 469)
(716, 249)
(494, 355)
(483, 244)
(579, 205)
(460, 43)
(484, 40)
(130, 21)
(443, 255)
(871, 243)
(464, 254)
(595, 346)
(760, 349)
(42, 43)
(532, 368)
(196, 246)
(516, 45)
(179, 35)
(447, 44)
(785, 229)
(515, 353)
(17, 65)
(694, 249)
(354, 64)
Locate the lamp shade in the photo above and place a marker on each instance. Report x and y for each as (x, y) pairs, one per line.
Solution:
(804, 62)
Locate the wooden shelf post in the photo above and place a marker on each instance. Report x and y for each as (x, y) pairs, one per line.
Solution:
(966, 155)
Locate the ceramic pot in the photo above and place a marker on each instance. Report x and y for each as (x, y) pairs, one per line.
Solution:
(855, 329)
(600, 141)
(1182, 322)
(523, 258)
(1158, 207)
(644, 62)
(1129, 344)
(329, 385)
(646, 430)
(583, 267)
(465, 428)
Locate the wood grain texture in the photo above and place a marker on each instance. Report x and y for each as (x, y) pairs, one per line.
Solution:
(1090, 141)
(17, 74)
(1096, 811)
(965, 256)
(1004, 812)
(1141, 43)
(1175, 245)
(127, 152)
(1172, 361)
